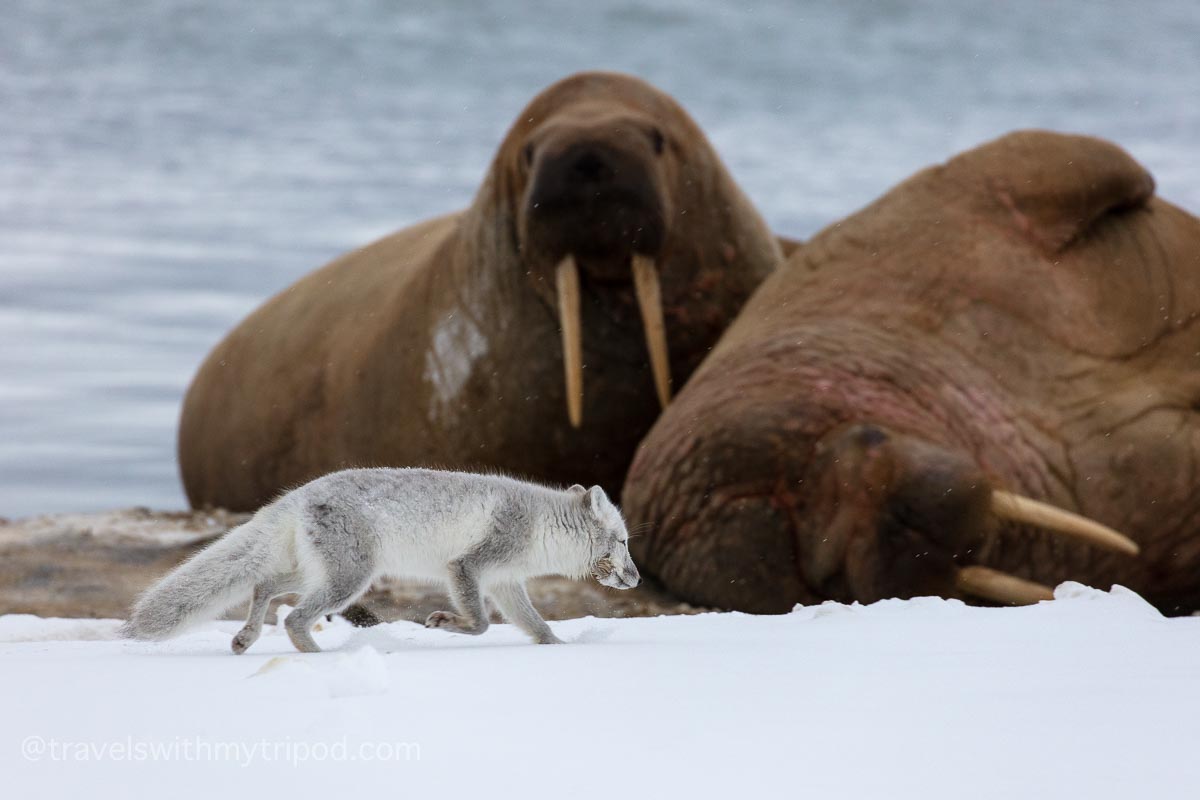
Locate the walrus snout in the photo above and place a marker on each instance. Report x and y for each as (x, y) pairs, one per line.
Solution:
(598, 201)
(593, 168)
(889, 515)
(763, 507)
(859, 513)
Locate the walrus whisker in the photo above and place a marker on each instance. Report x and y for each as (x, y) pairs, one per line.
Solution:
(1023, 509)
(567, 281)
(1001, 587)
(649, 295)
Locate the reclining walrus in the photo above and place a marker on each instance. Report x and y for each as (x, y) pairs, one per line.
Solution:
(605, 213)
(1021, 322)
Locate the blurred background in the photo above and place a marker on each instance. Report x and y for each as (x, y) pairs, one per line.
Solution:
(166, 166)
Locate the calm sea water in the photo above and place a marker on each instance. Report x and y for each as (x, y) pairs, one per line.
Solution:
(167, 165)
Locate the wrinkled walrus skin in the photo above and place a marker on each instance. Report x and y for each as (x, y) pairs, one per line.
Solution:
(1023, 318)
(440, 345)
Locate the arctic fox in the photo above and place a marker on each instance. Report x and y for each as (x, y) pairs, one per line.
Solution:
(327, 540)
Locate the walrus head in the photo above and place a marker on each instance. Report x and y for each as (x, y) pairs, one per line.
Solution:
(1017, 323)
(596, 199)
(596, 190)
(607, 180)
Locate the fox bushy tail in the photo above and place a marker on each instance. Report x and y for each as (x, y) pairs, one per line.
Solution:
(203, 586)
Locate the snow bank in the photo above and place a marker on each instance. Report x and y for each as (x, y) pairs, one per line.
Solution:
(1093, 695)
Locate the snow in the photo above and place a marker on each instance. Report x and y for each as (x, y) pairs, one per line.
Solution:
(1091, 695)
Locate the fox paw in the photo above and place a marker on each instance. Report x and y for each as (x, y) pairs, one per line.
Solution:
(454, 622)
(243, 641)
(443, 619)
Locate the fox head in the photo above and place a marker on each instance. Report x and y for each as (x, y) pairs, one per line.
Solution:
(611, 563)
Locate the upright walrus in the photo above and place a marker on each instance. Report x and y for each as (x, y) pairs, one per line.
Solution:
(462, 342)
(1003, 347)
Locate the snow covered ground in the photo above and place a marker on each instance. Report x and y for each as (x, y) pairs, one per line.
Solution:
(1092, 695)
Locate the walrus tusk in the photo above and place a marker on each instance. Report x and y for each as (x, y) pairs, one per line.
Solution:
(567, 280)
(649, 296)
(1001, 587)
(1023, 509)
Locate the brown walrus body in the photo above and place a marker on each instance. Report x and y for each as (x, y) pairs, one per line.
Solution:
(1023, 320)
(440, 344)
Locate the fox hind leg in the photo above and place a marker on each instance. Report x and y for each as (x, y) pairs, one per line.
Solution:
(325, 600)
(264, 593)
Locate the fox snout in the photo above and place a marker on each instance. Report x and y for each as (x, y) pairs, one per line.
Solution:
(624, 576)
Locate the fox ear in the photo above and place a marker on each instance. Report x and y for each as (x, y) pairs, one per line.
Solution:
(577, 489)
(595, 499)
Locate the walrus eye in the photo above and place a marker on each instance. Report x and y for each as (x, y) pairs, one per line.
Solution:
(656, 138)
(527, 153)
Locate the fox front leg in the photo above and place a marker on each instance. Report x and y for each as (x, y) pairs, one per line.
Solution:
(516, 607)
(464, 593)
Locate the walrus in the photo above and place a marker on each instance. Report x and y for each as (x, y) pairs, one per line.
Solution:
(1002, 348)
(537, 332)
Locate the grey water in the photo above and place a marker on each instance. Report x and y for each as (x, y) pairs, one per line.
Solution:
(165, 166)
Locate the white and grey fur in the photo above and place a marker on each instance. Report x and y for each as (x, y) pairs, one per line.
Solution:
(329, 539)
